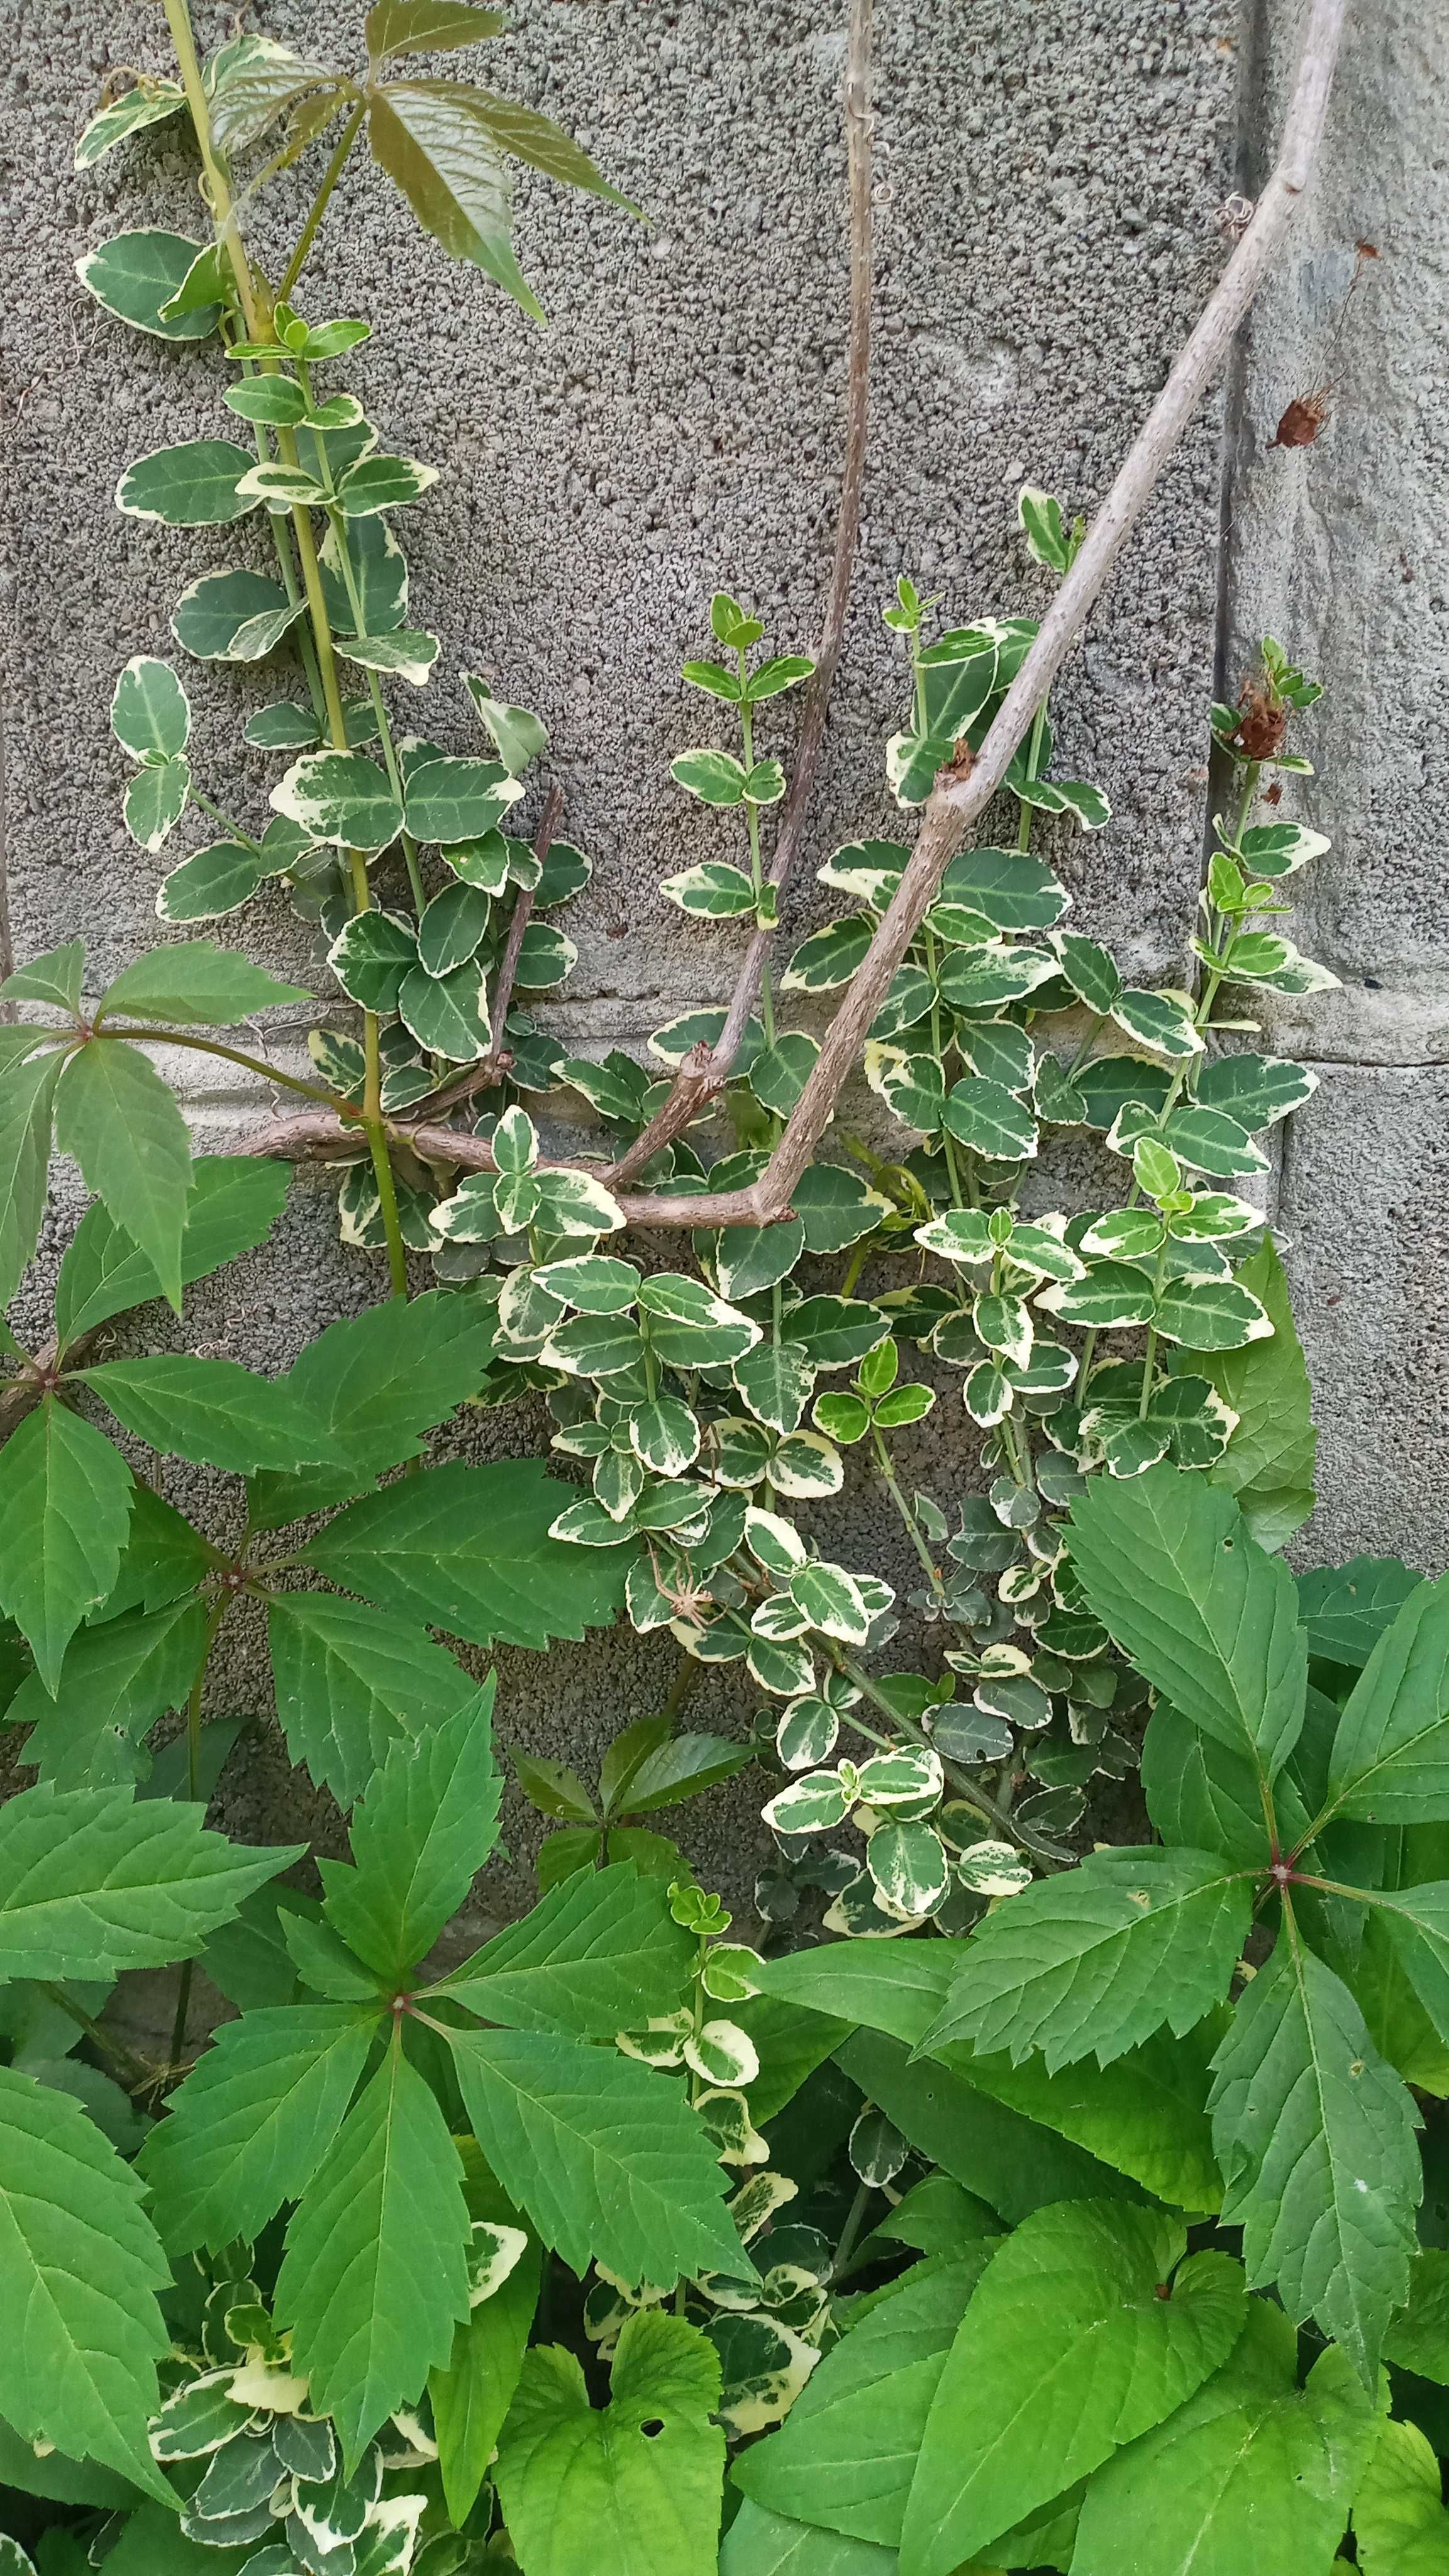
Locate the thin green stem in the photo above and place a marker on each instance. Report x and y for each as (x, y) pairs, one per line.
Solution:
(681, 1686)
(234, 1055)
(855, 2219)
(215, 1617)
(1038, 728)
(246, 839)
(892, 1484)
(330, 177)
(1149, 1355)
(855, 1266)
(136, 2070)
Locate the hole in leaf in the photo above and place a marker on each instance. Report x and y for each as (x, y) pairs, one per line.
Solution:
(652, 2427)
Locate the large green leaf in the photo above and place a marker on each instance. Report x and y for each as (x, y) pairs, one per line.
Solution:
(759, 2543)
(1205, 1613)
(1003, 2156)
(1418, 2340)
(467, 1549)
(378, 1380)
(453, 178)
(846, 2453)
(135, 273)
(1399, 2522)
(27, 1101)
(65, 1499)
(374, 2277)
(1145, 2115)
(1390, 1761)
(253, 2120)
(163, 1558)
(79, 2271)
(1315, 2136)
(351, 1680)
(235, 1201)
(1415, 1923)
(114, 1682)
(605, 2156)
(634, 2487)
(211, 1411)
(119, 1119)
(1203, 1797)
(424, 1829)
(1346, 1608)
(1068, 2349)
(601, 1953)
(92, 1881)
(190, 486)
(1249, 2474)
(1093, 1961)
(196, 983)
(428, 27)
(1269, 1461)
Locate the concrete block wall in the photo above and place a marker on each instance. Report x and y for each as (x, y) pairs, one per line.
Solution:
(1049, 180)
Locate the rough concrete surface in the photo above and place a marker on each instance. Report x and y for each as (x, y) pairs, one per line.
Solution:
(1049, 177)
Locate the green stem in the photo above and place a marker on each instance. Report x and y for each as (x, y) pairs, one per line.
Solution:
(246, 839)
(849, 2233)
(855, 1266)
(1038, 728)
(757, 880)
(134, 2068)
(891, 1482)
(330, 177)
(1149, 1354)
(233, 1055)
(681, 1686)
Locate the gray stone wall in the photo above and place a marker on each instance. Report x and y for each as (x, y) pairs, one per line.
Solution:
(1049, 174)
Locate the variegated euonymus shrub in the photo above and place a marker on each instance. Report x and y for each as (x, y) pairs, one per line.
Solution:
(979, 2241)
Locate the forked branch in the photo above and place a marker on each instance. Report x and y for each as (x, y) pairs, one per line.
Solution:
(960, 795)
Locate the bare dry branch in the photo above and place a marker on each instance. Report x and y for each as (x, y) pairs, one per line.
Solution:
(960, 797)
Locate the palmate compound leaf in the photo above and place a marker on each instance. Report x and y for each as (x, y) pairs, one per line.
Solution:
(606, 2157)
(253, 2120)
(467, 1549)
(1390, 1760)
(1251, 2473)
(65, 1502)
(601, 1953)
(847, 2452)
(420, 1835)
(1067, 2350)
(80, 2267)
(1315, 2136)
(374, 2278)
(1092, 1962)
(1205, 1614)
(351, 1680)
(92, 1882)
(634, 2487)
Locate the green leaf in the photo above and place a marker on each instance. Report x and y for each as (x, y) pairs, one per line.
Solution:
(195, 982)
(1249, 2473)
(1068, 2350)
(407, 654)
(606, 2157)
(528, 137)
(1210, 1619)
(1315, 2135)
(253, 2120)
(1201, 1796)
(374, 2278)
(1399, 2521)
(448, 1014)
(234, 616)
(352, 1681)
(634, 2487)
(601, 1953)
(155, 801)
(340, 797)
(382, 483)
(769, 2544)
(135, 274)
(1092, 1962)
(1390, 1761)
(1255, 1090)
(519, 737)
(1269, 1460)
(451, 800)
(79, 2271)
(121, 1122)
(1346, 1608)
(144, 105)
(27, 1100)
(1415, 1923)
(1145, 2115)
(235, 1201)
(56, 977)
(1418, 2339)
(191, 486)
(92, 1882)
(163, 1558)
(211, 1411)
(451, 927)
(114, 1682)
(990, 1120)
(1006, 2158)
(472, 2393)
(467, 1549)
(421, 1833)
(149, 710)
(451, 175)
(847, 2452)
(65, 1500)
(377, 1381)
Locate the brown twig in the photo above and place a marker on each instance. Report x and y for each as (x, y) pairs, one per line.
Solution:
(706, 1070)
(960, 797)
